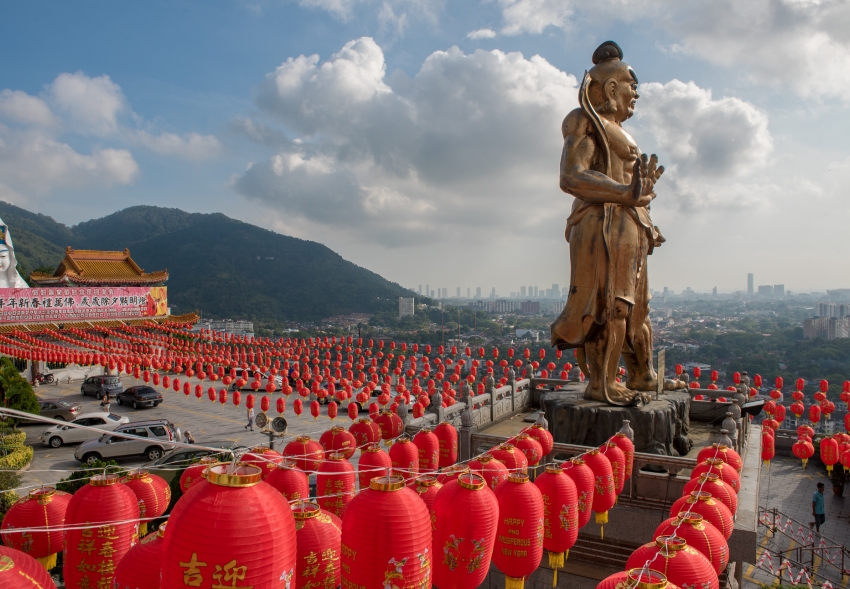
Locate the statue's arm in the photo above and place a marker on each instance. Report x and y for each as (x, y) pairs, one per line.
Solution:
(577, 177)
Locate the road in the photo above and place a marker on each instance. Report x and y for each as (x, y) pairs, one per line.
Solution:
(206, 420)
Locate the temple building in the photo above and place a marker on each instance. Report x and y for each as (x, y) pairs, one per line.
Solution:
(98, 268)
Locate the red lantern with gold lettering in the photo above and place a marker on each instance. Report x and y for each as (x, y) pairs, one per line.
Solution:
(338, 439)
(560, 515)
(365, 432)
(627, 446)
(43, 508)
(513, 459)
(307, 452)
(466, 514)
(768, 448)
(97, 505)
(263, 457)
(583, 478)
(429, 450)
(195, 473)
(724, 453)
(135, 568)
(604, 496)
(319, 537)
(427, 488)
(386, 537)
(543, 436)
(447, 435)
(153, 494)
(681, 564)
(618, 465)
(726, 472)
(712, 510)
(257, 551)
(335, 484)
(829, 453)
(291, 482)
(22, 571)
(405, 458)
(391, 426)
(636, 579)
(374, 462)
(700, 535)
(803, 450)
(720, 490)
(520, 524)
(492, 469)
(530, 447)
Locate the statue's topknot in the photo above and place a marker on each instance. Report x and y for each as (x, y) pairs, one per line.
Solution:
(607, 51)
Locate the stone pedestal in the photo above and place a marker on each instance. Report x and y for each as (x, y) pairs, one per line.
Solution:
(661, 427)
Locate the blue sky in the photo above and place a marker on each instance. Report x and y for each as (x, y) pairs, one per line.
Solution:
(423, 140)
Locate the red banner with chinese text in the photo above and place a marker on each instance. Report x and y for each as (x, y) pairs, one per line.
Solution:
(55, 305)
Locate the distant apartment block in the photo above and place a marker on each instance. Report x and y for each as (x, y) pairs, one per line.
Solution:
(826, 327)
(779, 290)
(499, 306)
(832, 310)
(765, 290)
(406, 306)
(838, 295)
(559, 306)
(750, 284)
(529, 307)
(227, 326)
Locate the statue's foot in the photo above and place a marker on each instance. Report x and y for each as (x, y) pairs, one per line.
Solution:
(643, 383)
(674, 384)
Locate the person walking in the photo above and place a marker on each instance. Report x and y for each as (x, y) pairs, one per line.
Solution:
(105, 403)
(250, 425)
(190, 439)
(817, 509)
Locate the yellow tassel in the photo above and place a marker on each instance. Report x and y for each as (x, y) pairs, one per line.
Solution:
(48, 562)
(602, 518)
(143, 529)
(805, 460)
(556, 561)
(514, 582)
(601, 533)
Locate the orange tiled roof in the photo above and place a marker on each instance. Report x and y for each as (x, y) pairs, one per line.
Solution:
(95, 267)
(42, 327)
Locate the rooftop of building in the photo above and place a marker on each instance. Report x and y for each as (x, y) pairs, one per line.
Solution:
(95, 268)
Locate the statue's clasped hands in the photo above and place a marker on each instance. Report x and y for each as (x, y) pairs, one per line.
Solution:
(646, 173)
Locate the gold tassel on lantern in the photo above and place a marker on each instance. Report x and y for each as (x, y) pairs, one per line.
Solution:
(805, 461)
(602, 519)
(48, 562)
(556, 561)
(514, 582)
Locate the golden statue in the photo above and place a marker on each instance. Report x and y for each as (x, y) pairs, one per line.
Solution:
(610, 235)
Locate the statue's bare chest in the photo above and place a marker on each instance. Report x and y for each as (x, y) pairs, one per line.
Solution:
(624, 151)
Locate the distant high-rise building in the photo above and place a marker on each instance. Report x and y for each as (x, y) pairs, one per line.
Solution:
(522, 291)
(559, 306)
(750, 284)
(779, 290)
(420, 289)
(565, 291)
(445, 293)
(428, 292)
(714, 292)
(556, 290)
(530, 291)
(467, 293)
(535, 295)
(529, 307)
(666, 290)
(458, 292)
(493, 293)
(432, 294)
(477, 292)
(765, 290)
(838, 295)
(405, 306)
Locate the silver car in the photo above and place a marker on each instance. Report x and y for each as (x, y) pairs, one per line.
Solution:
(158, 437)
(68, 434)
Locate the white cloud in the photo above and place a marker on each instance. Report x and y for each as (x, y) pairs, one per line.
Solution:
(473, 137)
(21, 107)
(90, 105)
(190, 146)
(481, 34)
(533, 16)
(340, 9)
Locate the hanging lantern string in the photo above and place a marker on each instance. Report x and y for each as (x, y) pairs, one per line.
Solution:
(86, 526)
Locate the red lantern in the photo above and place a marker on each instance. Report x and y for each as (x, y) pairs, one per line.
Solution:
(672, 557)
(492, 469)
(768, 449)
(466, 514)
(543, 436)
(803, 450)
(583, 478)
(520, 524)
(627, 446)
(135, 568)
(447, 436)
(797, 408)
(829, 453)
(405, 459)
(618, 465)
(700, 535)
(315, 409)
(281, 405)
(365, 431)
(530, 447)
(716, 465)
(337, 439)
(429, 450)
(335, 484)
(805, 430)
(637, 579)
(353, 411)
(319, 537)
(291, 482)
(332, 410)
(96, 506)
(560, 515)
(513, 459)
(374, 462)
(814, 413)
(720, 490)
(190, 552)
(42, 508)
(427, 488)
(386, 537)
(153, 494)
(195, 473)
(22, 566)
(391, 426)
(712, 511)
(307, 452)
(604, 496)
(263, 458)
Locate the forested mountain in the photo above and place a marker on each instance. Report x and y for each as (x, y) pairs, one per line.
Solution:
(218, 265)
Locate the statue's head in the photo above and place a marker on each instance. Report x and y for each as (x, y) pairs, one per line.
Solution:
(613, 86)
(5, 258)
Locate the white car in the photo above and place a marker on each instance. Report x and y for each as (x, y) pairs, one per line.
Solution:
(68, 434)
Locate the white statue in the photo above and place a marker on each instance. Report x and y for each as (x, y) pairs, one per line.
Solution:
(9, 277)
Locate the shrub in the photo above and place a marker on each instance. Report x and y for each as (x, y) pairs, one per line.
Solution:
(80, 478)
(16, 459)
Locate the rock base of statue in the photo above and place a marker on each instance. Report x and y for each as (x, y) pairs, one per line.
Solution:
(660, 427)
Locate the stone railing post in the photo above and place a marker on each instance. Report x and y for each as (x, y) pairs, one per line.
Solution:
(512, 384)
(490, 389)
(467, 427)
(437, 406)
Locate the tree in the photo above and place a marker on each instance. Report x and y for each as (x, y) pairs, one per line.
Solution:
(15, 391)
(80, 478)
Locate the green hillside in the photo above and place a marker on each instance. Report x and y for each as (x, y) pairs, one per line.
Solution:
(218, 265)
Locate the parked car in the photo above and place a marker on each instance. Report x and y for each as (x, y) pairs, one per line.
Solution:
(158, 434)
(140, 396)
(248, 375)
(171, 462)
(68, 434)
(57, 409)
(101, 384)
